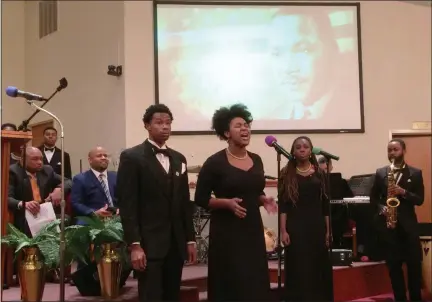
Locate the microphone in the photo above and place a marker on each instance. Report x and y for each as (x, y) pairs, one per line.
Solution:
(270, 177)
(271, 141)
(319, 151)
(14, 92)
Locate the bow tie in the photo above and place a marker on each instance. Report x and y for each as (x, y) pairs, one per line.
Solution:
(50, 149)
(161, 151)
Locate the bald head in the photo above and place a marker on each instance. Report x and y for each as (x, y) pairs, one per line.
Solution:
(98, 159)
(34, 159)
(33, 151)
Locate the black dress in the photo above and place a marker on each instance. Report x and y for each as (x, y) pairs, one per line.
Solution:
(237, 262)
(307, 264)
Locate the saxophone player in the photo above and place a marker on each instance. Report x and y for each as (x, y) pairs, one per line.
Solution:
(399, 233)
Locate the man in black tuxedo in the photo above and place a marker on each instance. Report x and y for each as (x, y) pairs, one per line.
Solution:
(52, 154)
(402, 243)
(156, 211)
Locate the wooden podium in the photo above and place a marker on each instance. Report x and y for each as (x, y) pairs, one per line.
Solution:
(11, 141)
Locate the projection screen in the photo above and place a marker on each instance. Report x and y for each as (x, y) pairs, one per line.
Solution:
(296, 67)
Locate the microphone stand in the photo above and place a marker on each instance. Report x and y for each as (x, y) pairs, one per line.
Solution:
(24, 124)
(279, 246)
(62, 203)
(330, 230)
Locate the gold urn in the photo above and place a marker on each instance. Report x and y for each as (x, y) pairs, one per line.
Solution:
(109, 270)
(31, 274)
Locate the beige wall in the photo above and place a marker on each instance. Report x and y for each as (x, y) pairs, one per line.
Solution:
(12, 65)
(89, 38)
(99, 109)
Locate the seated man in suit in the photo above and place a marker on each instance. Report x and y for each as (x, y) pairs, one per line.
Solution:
(30, 186)
(93, 191)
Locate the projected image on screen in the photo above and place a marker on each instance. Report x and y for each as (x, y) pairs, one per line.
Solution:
(295, 67)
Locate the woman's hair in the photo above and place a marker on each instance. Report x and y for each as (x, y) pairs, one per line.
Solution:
(223, 116)
(289, 185)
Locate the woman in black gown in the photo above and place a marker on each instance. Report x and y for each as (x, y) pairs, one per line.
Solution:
(305, 226)
(237, 262)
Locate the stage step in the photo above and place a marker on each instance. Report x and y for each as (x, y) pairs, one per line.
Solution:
(203, 295)
(189, 294)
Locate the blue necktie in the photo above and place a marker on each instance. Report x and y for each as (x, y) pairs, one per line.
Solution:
(105, 188)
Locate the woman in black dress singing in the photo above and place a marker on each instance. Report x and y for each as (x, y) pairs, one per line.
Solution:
(237, 262)
(305, 226)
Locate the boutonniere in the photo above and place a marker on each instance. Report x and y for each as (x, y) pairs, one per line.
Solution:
(409, 179)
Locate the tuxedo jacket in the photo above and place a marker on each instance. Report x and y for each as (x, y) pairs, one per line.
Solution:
(20, 189)
(55, 162)
(155, 206)
(88, 195)
(412, 182)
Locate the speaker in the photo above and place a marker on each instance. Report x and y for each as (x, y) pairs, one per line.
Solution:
(86, 280)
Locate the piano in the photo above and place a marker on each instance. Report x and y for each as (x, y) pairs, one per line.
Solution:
(352, 200)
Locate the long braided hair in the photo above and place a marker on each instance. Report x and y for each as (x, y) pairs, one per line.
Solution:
(289, 185)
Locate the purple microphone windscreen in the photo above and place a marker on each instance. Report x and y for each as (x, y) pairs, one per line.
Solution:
(12, 91)
(269, 140)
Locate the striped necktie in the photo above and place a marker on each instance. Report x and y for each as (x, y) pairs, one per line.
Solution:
(105, 188)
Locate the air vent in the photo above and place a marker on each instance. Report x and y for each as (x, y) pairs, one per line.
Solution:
(47, 18)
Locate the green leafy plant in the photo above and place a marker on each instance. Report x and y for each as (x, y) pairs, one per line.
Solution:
(48, 242)
(105, 231)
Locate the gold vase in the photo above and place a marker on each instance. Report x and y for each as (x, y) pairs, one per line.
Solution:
(31, 274)
(109, 269)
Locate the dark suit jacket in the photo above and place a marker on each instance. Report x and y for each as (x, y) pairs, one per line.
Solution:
(56, 160)
(20, 189)
(412, 182)
(149, 214)
(88, 195)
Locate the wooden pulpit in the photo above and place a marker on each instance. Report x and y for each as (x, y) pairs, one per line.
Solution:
(11, 141)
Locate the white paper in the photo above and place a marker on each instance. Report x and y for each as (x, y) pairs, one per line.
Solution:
(45, 216)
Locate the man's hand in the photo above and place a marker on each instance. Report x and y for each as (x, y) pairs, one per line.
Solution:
(118, 212)
(192, 253)
(103, 212)
(384, 211)
(33, 207)
(396, 190)
(56, 196)
(138, 258)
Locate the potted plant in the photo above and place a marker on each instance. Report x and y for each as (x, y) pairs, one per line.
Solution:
(41, 253)
(108, 250)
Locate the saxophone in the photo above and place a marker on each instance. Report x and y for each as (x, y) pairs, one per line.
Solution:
(392, 201)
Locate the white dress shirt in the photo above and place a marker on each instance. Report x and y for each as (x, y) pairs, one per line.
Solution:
(48, 153)
(162, 158)
(105, 177)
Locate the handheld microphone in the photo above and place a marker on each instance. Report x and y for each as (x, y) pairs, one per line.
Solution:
(271, 141)
(14, 92)
(270, 177)
(319, 151)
